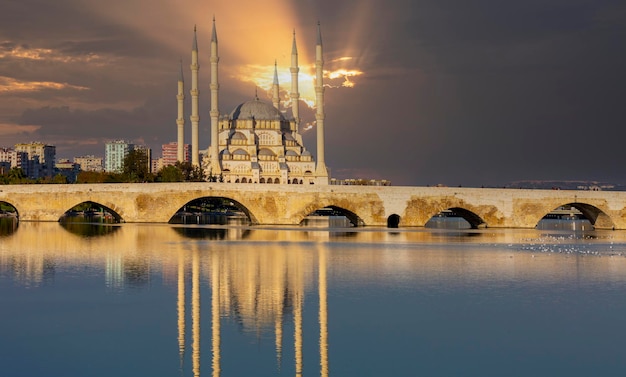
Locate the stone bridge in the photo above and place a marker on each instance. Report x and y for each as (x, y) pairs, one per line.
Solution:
(290, 204)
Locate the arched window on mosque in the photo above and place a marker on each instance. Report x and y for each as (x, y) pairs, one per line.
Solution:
(238, 138)
(266, 139)
(266, 155)
(241, 155)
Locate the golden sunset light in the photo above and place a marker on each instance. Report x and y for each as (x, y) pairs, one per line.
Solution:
(8, 84)
(262, 77)
(46, 54)
(312, 188)
(497, 70)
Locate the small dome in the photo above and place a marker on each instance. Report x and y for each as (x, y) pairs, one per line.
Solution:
(238, 136)
(291, 153)
(225, 152)
(240, 152)
(306, 153)
(256, 109)
(266, 152)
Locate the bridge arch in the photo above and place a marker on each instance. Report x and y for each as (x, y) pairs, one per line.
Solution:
(393, 221)
(596, 216)
(9, 219)
(474, 220)
(8, 209)
(212, 208)
(333, 210)
(94, 207)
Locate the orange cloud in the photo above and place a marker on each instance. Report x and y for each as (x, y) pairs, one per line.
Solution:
(20, 52)
(10, 85)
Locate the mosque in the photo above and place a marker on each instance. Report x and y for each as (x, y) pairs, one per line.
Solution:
(255, 142)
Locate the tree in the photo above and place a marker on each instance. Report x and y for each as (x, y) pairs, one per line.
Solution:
(90, 177)
(191, 173)
(136, 167)
(170, 173)
(59, 178)
(98, 177)
(16, 175)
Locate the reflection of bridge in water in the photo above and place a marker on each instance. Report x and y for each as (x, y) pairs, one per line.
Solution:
(261, 283)
(291, 204)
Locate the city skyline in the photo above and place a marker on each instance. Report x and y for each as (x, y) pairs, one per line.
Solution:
(418, 93)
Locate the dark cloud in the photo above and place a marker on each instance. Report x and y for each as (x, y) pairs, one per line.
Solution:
(454, 92)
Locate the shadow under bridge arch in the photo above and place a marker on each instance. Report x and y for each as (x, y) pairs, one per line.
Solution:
(581, 211)
(450, 217)
(213, 210)
(332, 216)
(91, 212)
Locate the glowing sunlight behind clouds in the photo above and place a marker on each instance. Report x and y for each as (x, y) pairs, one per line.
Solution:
(251, 34)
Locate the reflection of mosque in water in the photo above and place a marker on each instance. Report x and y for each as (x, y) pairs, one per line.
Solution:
(256, 277)
(258, 289)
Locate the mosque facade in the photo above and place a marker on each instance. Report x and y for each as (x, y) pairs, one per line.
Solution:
(256, 142)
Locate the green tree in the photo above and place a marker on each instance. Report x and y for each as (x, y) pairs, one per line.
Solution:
(136, 167)
(90, 177)
(59, 178)
(191, 173)
(16, 175)
(170, 173)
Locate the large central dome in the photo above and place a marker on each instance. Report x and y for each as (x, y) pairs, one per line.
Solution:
(256, 109)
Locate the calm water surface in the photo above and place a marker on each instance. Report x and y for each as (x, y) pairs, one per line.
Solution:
(163, 300)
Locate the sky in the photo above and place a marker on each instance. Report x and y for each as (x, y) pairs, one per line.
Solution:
(418, 92)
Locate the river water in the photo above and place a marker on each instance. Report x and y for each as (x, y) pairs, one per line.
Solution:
(174, 300)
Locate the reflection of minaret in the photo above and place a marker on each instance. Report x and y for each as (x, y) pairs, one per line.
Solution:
(195, 118)
(279, 281)
(298, 292)
(181, 308)
(320, 171)
(323, 314)
(215, 313)
(195, 312)
(297, 322)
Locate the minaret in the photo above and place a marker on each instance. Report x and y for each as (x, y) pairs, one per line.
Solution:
(215, 113)
(180, 121)
(195, 156)
(295, 96)
(275, 88)
(320, 171)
